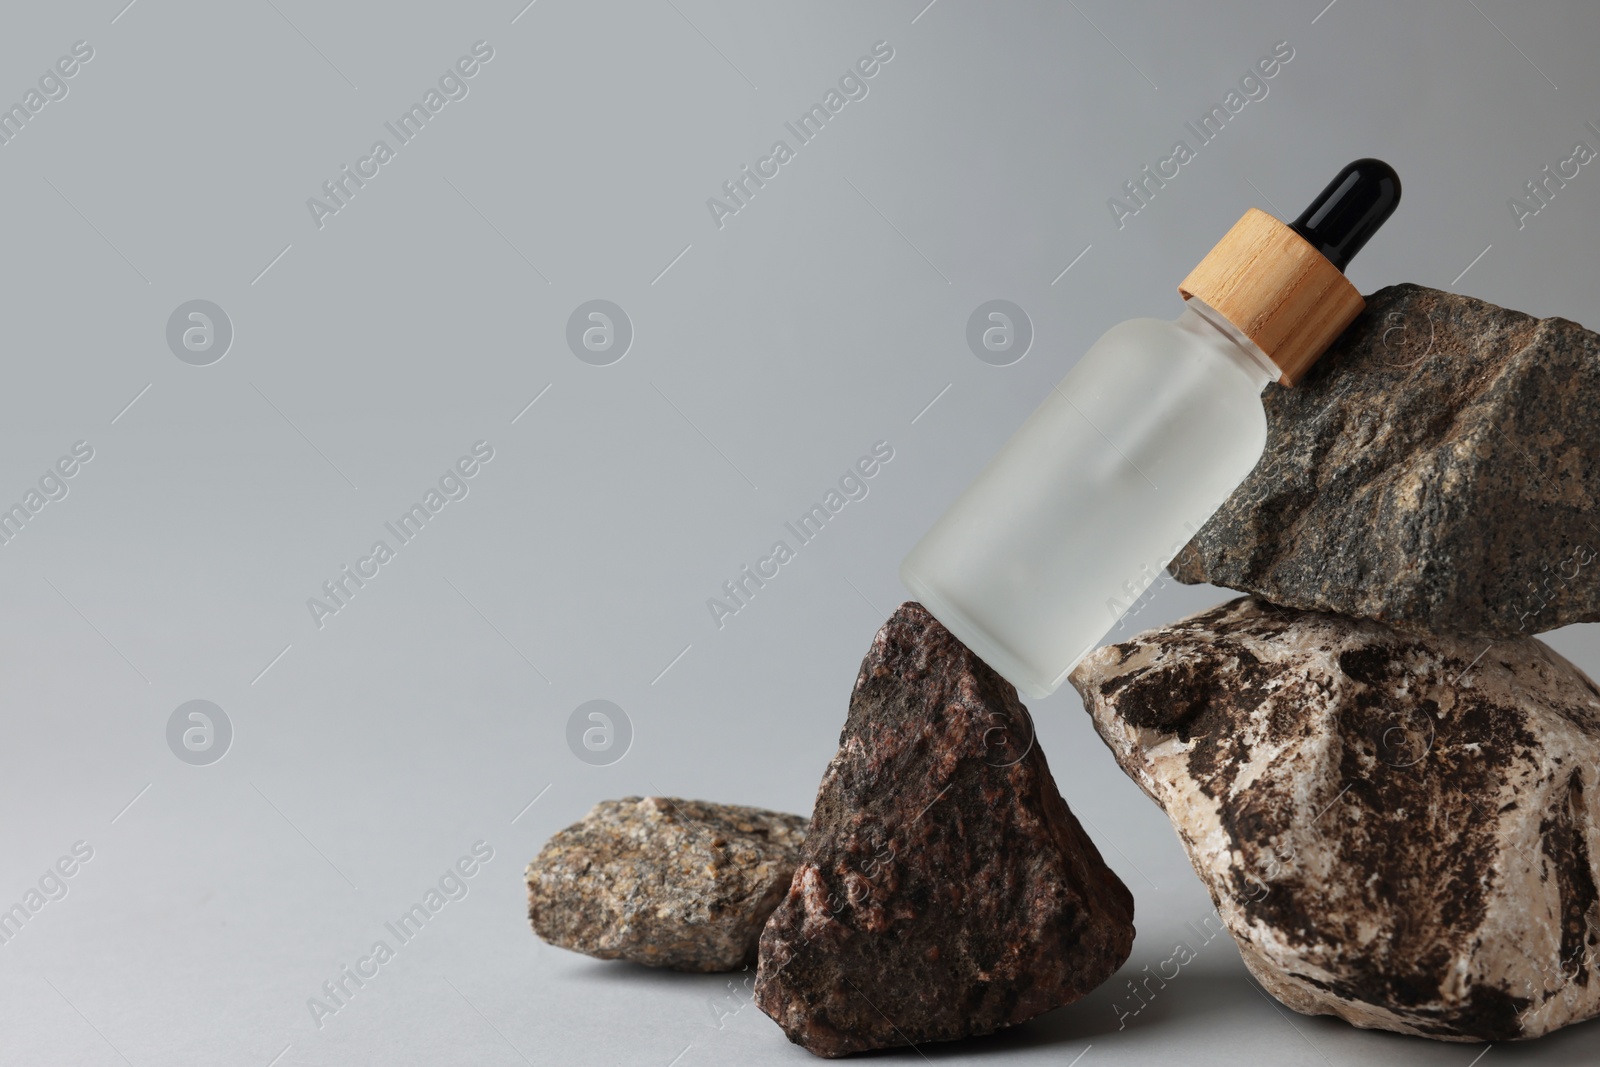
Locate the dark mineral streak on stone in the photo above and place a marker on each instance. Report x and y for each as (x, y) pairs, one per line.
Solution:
(945, 890)
(665, 882)
(1401, 831)
(1437, 470)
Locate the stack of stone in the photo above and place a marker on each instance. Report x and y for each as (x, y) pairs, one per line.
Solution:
(1388, 785)
(942, 890)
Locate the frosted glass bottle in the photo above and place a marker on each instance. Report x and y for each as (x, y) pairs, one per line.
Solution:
(1086, 504)
(1141, 442)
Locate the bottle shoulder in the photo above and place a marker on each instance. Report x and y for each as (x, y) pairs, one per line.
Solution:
(1180, 329)
(1158, 345)
(1148, 334)
(1138, 340)
(1141, 324)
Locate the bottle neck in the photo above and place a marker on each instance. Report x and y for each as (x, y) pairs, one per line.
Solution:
(1204, 321)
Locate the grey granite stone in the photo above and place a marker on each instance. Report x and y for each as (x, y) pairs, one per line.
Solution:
(1437, 470)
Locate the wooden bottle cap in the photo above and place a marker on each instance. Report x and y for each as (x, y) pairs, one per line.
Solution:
(1278, 290)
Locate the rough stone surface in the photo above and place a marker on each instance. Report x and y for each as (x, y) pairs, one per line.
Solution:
(684, 884)
(1399, 831)
(1438, 471)
(945, 889)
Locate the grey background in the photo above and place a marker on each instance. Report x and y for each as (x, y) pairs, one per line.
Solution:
(370, 754)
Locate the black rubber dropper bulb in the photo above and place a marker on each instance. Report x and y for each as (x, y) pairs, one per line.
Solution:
(1350, 210)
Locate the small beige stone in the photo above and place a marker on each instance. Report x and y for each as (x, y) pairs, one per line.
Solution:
(665, 882)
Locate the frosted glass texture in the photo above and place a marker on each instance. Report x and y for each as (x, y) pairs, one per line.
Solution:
(1083, 508)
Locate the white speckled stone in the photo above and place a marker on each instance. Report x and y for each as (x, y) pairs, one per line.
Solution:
(1397, 830)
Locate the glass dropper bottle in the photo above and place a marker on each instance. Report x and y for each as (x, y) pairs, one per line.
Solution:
(1142, 441)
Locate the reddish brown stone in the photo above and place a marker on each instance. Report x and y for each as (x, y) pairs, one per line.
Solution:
(944, 890)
